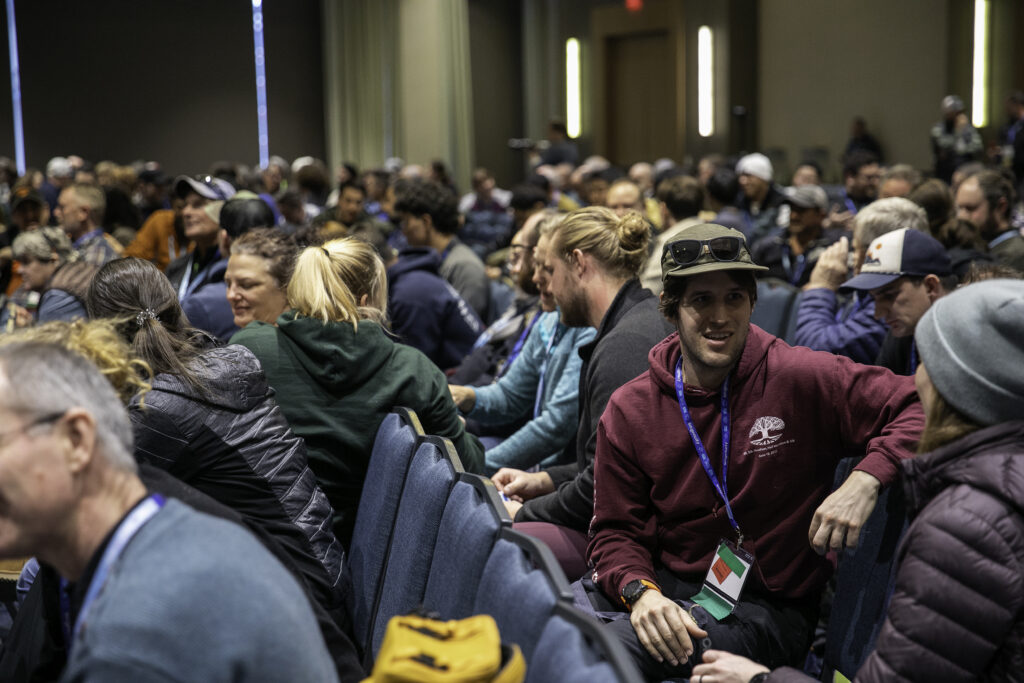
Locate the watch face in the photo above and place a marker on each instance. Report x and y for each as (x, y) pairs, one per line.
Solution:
(633, 590)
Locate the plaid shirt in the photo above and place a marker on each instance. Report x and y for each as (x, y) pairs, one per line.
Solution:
(97, 247)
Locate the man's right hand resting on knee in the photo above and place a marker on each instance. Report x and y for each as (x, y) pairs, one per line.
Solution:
(664, 628)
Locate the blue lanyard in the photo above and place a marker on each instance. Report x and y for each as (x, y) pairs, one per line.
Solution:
(913, 357)
(126, 530)
(552, 343)
(190, 282)
(518, 347)
(185, 278)
(801, 263)
(496, 327)
(698, 445)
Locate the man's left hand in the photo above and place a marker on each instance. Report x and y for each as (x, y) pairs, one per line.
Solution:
(513, 507)
(725, 667)
(844, 513)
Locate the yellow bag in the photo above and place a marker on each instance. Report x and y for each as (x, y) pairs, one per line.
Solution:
(422, 650)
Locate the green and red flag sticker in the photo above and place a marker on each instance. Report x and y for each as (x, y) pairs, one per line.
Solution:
(724, 581)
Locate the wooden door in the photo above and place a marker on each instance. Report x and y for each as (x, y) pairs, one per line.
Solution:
(640, 107)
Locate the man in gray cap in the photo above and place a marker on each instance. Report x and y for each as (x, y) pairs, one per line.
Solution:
(714, 468)
(792, 254)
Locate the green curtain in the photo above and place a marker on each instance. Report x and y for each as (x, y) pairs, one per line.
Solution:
(372, 101)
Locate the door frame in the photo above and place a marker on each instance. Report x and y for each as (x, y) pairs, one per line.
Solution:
(614, 21)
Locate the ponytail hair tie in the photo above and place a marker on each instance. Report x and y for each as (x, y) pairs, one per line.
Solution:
(144, 315)
(326, 253)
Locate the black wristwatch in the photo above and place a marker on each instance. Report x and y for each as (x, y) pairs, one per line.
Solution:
(632, 591)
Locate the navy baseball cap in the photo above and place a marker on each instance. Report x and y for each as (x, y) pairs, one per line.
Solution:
(899, 253)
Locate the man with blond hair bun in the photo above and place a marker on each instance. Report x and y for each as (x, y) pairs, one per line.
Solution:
(590, 263)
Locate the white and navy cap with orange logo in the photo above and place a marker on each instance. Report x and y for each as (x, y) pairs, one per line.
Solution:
(899, 253)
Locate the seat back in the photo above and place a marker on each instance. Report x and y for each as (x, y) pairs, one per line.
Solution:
(430, 478)
(392, 450)
(520, 586)
(469, 528)
(573, 647)
(775, 312)
(502, 297)
(864, 583)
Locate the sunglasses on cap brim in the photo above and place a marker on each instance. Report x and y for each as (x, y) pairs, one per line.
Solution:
(688, 252)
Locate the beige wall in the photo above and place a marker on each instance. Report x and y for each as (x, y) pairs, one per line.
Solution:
(883, 59)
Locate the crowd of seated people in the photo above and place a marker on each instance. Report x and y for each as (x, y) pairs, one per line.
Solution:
(584, 339)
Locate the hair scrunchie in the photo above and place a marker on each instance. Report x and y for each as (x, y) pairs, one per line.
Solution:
(145, 314)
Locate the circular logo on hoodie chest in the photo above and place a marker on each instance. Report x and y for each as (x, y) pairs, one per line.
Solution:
(766, 430)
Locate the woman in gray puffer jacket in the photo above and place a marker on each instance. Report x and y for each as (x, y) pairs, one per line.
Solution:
(957, 609)
(211, 421)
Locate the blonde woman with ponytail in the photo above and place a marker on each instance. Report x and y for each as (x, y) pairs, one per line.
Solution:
(210, 420)
(338, 373)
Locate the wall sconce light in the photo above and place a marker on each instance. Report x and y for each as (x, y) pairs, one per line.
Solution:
(979, 95)
(705, 83)
(572, 88)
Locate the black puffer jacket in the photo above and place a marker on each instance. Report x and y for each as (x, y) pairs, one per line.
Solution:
(957, 611)
(235, 445)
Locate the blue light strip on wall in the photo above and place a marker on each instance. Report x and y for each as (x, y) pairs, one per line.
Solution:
(19, 128)
(261, 80)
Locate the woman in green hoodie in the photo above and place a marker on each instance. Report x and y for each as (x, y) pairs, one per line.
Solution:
(337, 373)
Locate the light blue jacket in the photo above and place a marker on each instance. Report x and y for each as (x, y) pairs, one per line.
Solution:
(549, 366)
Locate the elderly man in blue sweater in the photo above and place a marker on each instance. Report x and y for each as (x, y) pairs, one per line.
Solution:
(157, 590)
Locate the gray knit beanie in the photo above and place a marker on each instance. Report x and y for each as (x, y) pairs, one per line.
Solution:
(972, 343)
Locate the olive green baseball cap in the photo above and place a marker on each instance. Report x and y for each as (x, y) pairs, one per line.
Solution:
(724, 255)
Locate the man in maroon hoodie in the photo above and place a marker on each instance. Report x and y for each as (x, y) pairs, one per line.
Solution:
(730, 441)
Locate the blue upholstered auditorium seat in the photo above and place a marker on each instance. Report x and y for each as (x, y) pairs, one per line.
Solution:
(431, 476)
(775, 312)
(501, 298)
(864, 584)
(392, 450)
(471, 522)
(519, 588)
(573, 647)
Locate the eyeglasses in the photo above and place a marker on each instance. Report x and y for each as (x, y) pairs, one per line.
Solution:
(516, 252)
(687, 252)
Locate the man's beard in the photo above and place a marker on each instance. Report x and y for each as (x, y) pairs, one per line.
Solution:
(990, 229)
(574, 311)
